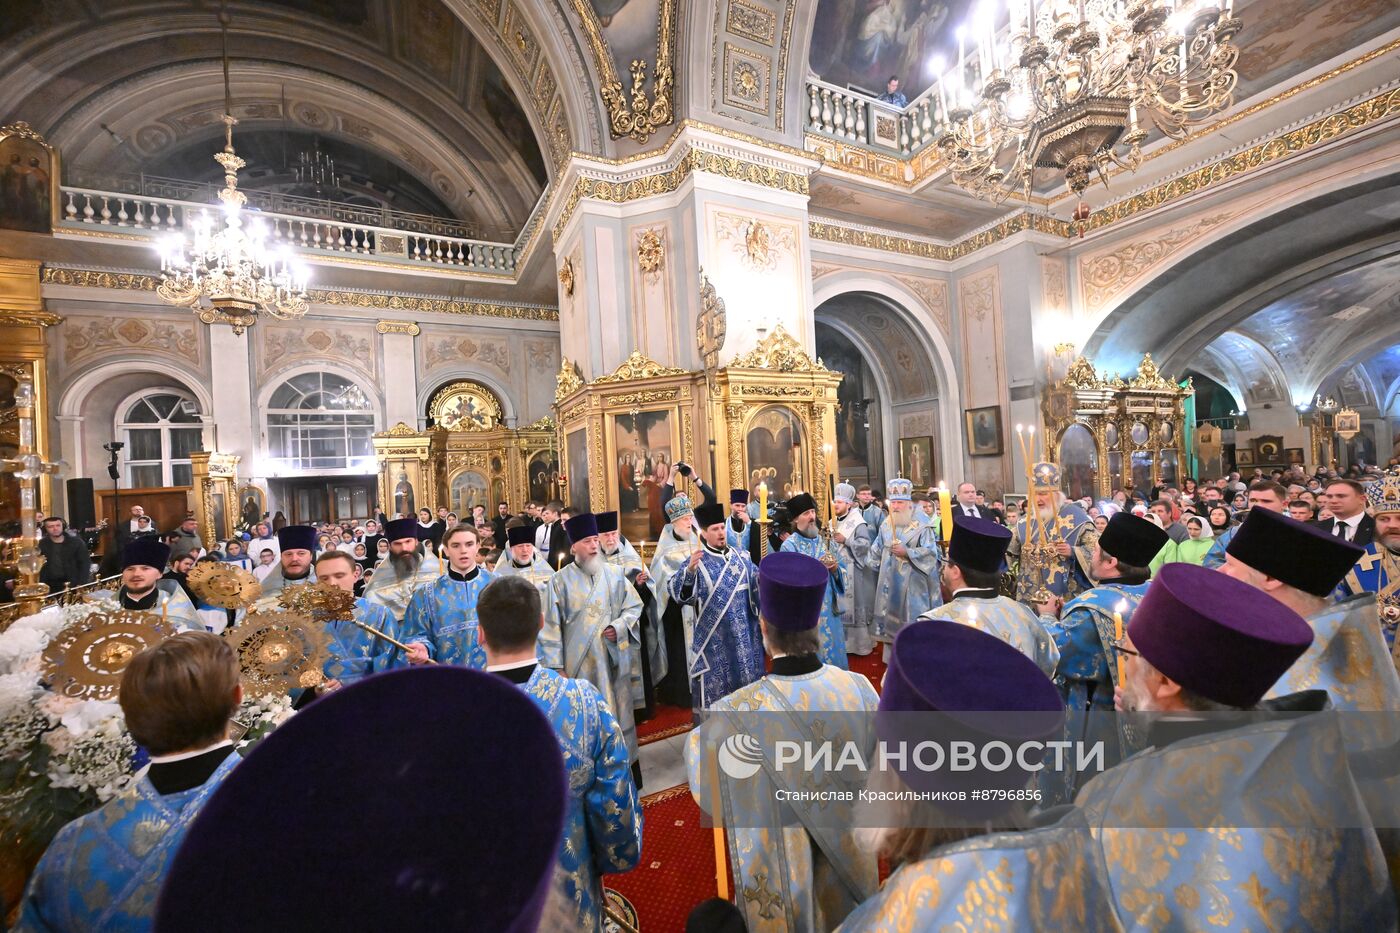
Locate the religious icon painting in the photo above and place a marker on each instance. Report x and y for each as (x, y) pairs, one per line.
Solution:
(644, 446)
(28, 180)
(916, 460)
(774, 445)
(1293, 454)
(576, 449)
(984, 431)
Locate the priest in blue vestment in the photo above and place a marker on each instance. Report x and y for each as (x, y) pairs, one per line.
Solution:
(592, 620)
(620, 553)
(677, 542)
(1378, 569)
(806, 538)
(737, 528)
(1299, 850)
(972, 577)
(960, 860)
(103, 870)
(853, 537)
(603, 827)
(143, 589)
(720, 581)
(520, 559)
(402, 572)
(355, 653)
(440, 622)
(906, 550)
(295, 563)
(796, 865)
(1053, 541)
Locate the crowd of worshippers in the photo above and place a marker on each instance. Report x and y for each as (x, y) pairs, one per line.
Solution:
(483, 772)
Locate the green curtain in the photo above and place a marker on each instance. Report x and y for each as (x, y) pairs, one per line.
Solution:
(1189, 435)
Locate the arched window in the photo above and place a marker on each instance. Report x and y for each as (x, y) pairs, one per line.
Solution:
(320, 421)
(160, 427)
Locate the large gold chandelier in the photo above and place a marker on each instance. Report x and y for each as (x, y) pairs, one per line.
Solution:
(227, 273)
(1073, 84)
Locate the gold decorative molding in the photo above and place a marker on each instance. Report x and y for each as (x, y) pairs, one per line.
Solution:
(636, 115)
(831, 232)
(398, 430)
(398, 327)
(566, 277)
(651, 251)
(543, 424)
(711, 325)
(92, 278)
(465, 405)
(568, 381)
(780, 352)
(669, 180)
(638, 366)
(30, 318)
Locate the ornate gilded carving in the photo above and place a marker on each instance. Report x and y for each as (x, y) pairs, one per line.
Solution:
(758, 244)
(398, 327)
(84, 338)
(543, 424)
(711, 325)
(651, 251)
(29, 318)
(734, 422)
(638, 366)
(566, 277)
(934, 293)
(751, 21)
(568, 381)
(451, 351)
(398, 430)
(637, 115)
(1081, 375)
(779, 351)
(642, 398)
(465, 406)
(1150, 378)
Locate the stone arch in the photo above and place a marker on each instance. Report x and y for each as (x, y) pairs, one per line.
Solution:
(509, 410)
(274, 379)
(931, 340)
(84, 428)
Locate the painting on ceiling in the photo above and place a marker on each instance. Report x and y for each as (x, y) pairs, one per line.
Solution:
(863, 42)
(505, 112)
(630, 28)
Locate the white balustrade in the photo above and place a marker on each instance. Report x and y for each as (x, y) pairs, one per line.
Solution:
(851, 116)
(311, 236)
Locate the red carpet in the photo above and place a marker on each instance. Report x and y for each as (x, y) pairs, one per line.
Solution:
(677, 870)
(668, 721)
(870, 665)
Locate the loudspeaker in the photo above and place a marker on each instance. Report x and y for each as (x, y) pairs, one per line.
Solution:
(80, 506)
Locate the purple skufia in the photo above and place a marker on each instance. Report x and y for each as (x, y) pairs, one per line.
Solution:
(397, 528)
(1304, 556)
(581, 526)
(303, 537)
(607, 521)
(1215, 635)
(791, 591)
(949, 682)
(520, 534)
(428, 799)
(978, 543)
(739, 495)
(145, 552)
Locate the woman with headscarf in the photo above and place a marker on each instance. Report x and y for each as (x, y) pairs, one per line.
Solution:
(1220, 520)
(1193, 549)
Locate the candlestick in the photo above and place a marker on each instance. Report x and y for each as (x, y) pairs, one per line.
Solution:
(1118, 634)
(945, 512)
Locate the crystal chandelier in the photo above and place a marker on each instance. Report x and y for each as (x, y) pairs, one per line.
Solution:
(227, 273)
(1072, 85)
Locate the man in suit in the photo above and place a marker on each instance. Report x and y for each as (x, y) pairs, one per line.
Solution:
(967, 502)
(551, 540)
(1346, 500)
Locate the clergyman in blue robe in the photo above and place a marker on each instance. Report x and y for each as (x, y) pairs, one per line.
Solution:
(722, 583)
(906, 551)
(441, 616)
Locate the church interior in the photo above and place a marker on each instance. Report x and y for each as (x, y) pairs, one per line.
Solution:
(314, 263)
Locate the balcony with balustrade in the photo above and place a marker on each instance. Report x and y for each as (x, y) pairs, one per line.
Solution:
(148, 207)
(856, 119)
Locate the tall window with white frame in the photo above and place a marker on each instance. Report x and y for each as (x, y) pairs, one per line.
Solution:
(320, 422)
(160, 427)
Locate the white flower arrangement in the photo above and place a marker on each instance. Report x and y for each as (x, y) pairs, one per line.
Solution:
(260, 715)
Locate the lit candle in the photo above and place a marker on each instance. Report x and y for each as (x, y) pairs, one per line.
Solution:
(945, 511)
(1118, 634)
(762, 502)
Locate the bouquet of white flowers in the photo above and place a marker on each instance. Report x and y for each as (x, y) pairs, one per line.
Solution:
(62, 757)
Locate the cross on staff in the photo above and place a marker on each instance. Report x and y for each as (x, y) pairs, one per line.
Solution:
(27, 466)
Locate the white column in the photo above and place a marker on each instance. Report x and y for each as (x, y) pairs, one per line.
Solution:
(231, 386)
(70, 443)
(400, 381)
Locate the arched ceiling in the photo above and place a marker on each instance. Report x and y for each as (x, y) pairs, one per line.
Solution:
(400, 86)
(1297, 303)
(891, 346)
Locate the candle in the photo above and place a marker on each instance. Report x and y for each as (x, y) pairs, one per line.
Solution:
(1118, 634)
(945, 511)
(763, 502)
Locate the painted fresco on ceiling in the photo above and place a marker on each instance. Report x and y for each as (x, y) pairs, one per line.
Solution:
(630, 28)
(863, 42)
